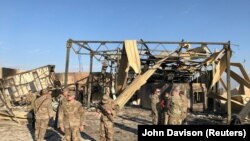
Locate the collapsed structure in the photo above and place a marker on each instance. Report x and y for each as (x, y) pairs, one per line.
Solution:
(133, 63)
(132, 68)
(15, 88)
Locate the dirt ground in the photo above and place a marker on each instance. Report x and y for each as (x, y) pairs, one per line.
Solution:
(125, 126)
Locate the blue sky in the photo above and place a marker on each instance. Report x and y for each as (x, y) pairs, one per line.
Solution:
(33, 33)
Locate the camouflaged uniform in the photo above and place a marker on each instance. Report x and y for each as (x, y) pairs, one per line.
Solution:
(154, 106)
(43, 112)
(30, 101)
(184, 107)
(174, 110)
(165, 110)
(106, 125)
(62, 100)
(71, 117)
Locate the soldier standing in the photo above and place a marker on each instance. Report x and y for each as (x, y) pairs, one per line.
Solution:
(71, 118)
(184, 106)
(43, 112)
(107, 117)
(30, 101)
(175, 107)
(165, 105)
(155, 99)
(62, 100)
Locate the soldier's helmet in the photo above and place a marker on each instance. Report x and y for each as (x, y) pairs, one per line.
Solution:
(105, 99)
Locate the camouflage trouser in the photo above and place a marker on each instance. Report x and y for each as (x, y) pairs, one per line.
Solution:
(166, 118)
(72, 134)
(174, 120)
(40, 128)
(155, 116)
(183, 116)
(106, 130)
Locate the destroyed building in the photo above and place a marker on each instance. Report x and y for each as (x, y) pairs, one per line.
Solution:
(136, 67)
(131, 69)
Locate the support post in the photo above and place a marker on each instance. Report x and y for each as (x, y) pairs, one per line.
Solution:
(205, 92)
(68, 46)
(116, 70)
(191, 96)
(90, 78)
(215, 87)
(229, 109)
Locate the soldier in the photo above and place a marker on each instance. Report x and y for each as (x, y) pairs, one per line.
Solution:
(165, 105)
(175, 107)
(184, 106)
(43, 112)
(154, 105)
(83, 95)
(62, 100)
(107, 114)
(71, 118)
(63, 96)
(30, 101)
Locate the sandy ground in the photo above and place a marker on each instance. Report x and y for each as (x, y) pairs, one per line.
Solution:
(125, 126)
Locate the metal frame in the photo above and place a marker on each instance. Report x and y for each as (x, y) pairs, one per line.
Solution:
(147, 53)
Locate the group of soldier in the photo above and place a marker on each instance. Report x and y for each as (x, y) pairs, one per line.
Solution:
(170, 109)
(70, 116)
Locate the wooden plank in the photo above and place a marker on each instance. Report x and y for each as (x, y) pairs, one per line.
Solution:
(220, 68)
(239, 79)
(243, 71)
(223, 84)
(245, 111)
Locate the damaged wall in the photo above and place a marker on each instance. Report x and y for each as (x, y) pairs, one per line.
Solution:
(5, 72)
(18, 85)
(73, 77)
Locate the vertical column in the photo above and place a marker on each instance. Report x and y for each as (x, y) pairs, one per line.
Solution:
(214, 88)
(191, 96)
(90, 78)
(85, 99)
(205, 91)
(68, 46)
(229, 110)
(117, 68)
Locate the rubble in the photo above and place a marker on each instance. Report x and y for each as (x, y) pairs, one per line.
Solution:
(197, 70)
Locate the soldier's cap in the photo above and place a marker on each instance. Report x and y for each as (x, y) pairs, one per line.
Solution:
(71, 93)
(44, 91)
(65, 89)
(177, 88)
(105, 99)
(50, 88)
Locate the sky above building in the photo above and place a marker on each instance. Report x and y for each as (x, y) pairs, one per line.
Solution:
(33, 33)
